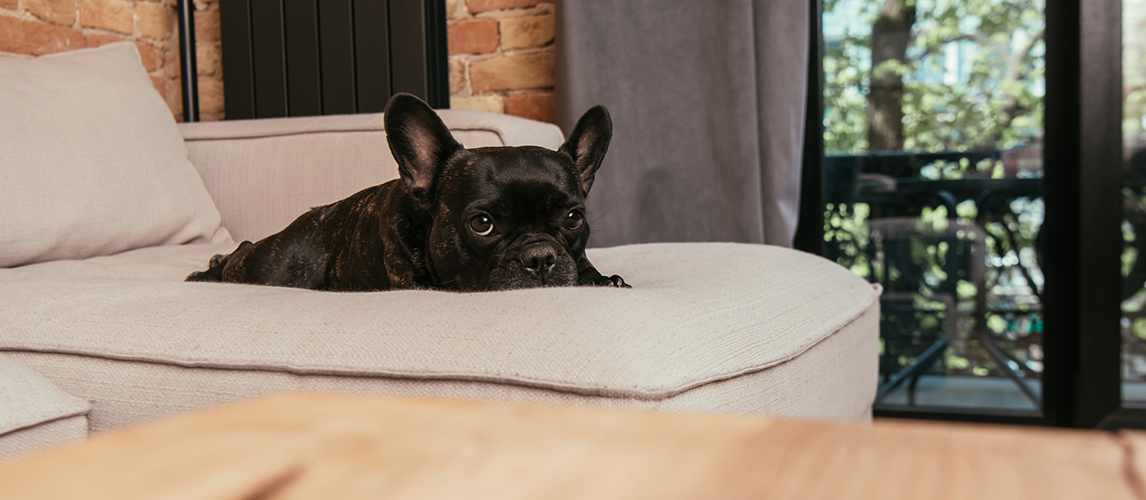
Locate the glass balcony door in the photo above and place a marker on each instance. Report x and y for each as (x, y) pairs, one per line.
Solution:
(932, 170)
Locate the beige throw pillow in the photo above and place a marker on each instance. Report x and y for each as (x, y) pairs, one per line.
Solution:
(91, 162)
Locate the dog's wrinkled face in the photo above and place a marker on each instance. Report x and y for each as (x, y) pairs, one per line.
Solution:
(509, 218)
(503, 217)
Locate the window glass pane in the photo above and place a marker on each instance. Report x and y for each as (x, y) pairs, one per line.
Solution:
(933, 113)
(1134, 202)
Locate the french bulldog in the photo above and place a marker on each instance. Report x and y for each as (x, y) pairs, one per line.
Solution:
(457, 219)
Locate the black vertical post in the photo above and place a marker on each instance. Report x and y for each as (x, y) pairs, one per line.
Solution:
(810, 227)
(1100, 237)
(238, 59)
(418, 51)
(189, 73)
(1061, 158)
(1081, 184)
(437, 55)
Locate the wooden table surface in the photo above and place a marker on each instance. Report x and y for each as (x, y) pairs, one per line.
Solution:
(296, 446)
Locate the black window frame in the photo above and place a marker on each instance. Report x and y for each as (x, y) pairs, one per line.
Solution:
(1082, 385)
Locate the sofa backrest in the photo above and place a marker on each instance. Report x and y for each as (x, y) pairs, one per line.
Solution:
(262, 174)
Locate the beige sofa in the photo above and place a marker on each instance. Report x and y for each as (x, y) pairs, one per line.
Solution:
(108, 204)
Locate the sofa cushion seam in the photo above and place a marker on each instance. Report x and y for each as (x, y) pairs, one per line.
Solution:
(267, 135)
(32, 425)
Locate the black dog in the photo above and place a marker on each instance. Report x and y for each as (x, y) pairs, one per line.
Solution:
(457, 219)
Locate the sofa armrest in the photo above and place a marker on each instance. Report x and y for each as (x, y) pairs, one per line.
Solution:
(264, 173)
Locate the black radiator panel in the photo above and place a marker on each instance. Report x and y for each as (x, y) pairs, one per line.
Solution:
(325, 57)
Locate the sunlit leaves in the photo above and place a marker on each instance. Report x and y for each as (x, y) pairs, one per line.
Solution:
(991, 100)
(973, 81)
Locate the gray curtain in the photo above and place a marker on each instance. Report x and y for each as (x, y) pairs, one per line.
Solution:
(707, 100)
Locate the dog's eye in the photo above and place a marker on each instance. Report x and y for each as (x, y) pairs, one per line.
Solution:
(482, 225)
(574, 220)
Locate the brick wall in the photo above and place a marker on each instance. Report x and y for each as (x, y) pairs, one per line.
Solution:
(36, 27)
(501, 56)
(208, 47)
(500, 51)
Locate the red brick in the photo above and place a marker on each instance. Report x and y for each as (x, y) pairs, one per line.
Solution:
(9, 4)
(473, 36)
(492, 103)
(457, 76)
(160, 84)
(540, 106)
(151, 57)
(154, 20)
(98, 40)
(516, 72)
(36, 38)
(211, 104)
(171, 61)
(207, 25)
(174, 96)
(484, 5)
(455, 9)
(522, 32)
(207, 60)
(62, 12)
(111, 15)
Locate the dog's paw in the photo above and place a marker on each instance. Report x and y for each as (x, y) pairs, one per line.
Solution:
(613, 281)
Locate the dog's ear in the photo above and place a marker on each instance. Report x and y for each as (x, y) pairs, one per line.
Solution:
(588, 143)
(419, 141)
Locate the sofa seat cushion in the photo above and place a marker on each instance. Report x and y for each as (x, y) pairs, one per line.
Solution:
(698, 316)
(34, 413)
(93, 163)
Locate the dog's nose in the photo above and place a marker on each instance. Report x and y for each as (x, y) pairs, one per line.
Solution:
(538, 259)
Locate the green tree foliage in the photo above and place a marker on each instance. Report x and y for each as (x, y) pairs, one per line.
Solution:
(971, 79)
(845, 98)
(993, 100)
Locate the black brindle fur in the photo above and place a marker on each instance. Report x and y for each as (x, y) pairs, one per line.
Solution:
(456, 219)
